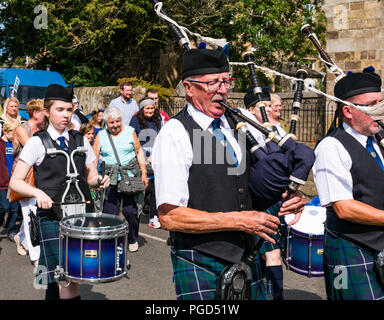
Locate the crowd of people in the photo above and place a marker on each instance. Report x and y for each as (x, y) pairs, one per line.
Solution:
(209, 212)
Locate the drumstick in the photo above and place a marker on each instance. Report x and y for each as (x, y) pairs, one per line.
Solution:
(102, 193)
(65, 203)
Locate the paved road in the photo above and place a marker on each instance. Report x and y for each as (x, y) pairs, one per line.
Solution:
(150, 275)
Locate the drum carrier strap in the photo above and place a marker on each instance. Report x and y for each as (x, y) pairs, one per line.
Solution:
(68, 204)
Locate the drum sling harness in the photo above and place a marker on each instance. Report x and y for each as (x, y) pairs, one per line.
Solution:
(72, 200)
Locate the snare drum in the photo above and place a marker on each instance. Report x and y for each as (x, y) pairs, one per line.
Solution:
(92, 248)
(305, 242)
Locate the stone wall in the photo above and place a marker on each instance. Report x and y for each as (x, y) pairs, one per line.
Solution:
(94, 97)
(354, 37)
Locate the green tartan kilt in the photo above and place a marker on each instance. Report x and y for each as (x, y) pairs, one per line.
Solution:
(196, 275)
(349, 271)
(268, 246)
(49, 246)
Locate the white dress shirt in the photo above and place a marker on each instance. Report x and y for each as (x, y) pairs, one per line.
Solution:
(33, 152)
(332, 167)
(172, 156)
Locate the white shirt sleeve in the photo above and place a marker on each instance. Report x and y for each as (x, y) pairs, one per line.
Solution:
(172, 157)
(332, 172)
(33, 152)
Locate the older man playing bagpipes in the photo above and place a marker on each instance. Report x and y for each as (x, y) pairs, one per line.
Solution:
(203, 188)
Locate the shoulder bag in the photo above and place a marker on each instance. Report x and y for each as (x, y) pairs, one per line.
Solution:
(127, 185)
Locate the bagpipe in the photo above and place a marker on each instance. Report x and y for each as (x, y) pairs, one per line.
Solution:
(335, 70)
(277, 168)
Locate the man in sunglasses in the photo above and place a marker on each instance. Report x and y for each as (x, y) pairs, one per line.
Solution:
(202, 185)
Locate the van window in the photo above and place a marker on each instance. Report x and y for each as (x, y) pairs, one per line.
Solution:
(26, 93)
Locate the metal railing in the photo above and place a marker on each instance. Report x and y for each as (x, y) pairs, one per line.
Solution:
(312, 124)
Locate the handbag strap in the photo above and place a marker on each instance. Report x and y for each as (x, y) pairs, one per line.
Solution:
(115, 152)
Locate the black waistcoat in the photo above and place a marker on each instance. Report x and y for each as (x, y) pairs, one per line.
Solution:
(212, 189)
(50, 175)
(368, 187)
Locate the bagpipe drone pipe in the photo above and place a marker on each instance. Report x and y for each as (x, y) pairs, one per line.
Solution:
(334, 69)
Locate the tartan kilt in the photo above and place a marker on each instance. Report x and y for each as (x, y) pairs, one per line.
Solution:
(268, 246)
(196, 275)
(49, 246)
(341, 258)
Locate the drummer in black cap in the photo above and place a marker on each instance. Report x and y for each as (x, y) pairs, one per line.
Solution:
(206, 208)
(50, 176)
(349, 178)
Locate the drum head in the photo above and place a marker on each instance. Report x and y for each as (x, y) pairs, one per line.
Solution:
(93, 224)
(311, 221)
(93, 220)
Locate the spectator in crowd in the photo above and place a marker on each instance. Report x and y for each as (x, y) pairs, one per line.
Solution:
(78, 117)
(5, 206)
(125, 103)
(97, 120)
(87, 131)
(154, 95)
(147, 124)
(37, 121)
(10, 112)
(132, 159)
(275, 113)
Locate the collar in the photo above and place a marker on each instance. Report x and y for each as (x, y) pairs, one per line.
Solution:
(55, 135)
(122, 100)
(203, 120)
(357, 135)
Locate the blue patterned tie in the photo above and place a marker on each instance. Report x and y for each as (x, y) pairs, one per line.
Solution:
(373, 153)
(62, 144)
(218, 134)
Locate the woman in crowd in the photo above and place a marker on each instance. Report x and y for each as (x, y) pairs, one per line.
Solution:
(275, 113)
(132, 160)
(37, 121)
(10, 112)
(147, 123)
(97, 120)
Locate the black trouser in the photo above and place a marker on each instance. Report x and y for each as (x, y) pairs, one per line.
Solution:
(150, 192)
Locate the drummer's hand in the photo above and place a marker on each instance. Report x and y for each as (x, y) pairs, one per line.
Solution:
(104, 181)
(294, 205)
(43, 201)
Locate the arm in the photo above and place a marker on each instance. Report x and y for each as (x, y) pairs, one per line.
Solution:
(21, 136)
(96, 148)
(182, 219)
(358, 212)
(93, 177)
(18, 185)
(140, 158)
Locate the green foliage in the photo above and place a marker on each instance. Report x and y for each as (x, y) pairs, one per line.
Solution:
(90, 42)
(164, 93)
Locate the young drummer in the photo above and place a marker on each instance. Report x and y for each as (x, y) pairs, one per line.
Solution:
(49, 178)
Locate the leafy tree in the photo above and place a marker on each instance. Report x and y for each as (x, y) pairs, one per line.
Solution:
(95, 42)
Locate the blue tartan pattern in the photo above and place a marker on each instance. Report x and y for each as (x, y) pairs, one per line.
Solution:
(196, 275)
(361, 282)
(49, 245)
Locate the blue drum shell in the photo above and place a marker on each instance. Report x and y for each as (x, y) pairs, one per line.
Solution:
(95, 253)
(299, 259)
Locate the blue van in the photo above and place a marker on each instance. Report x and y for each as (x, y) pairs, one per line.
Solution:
(32, 85)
